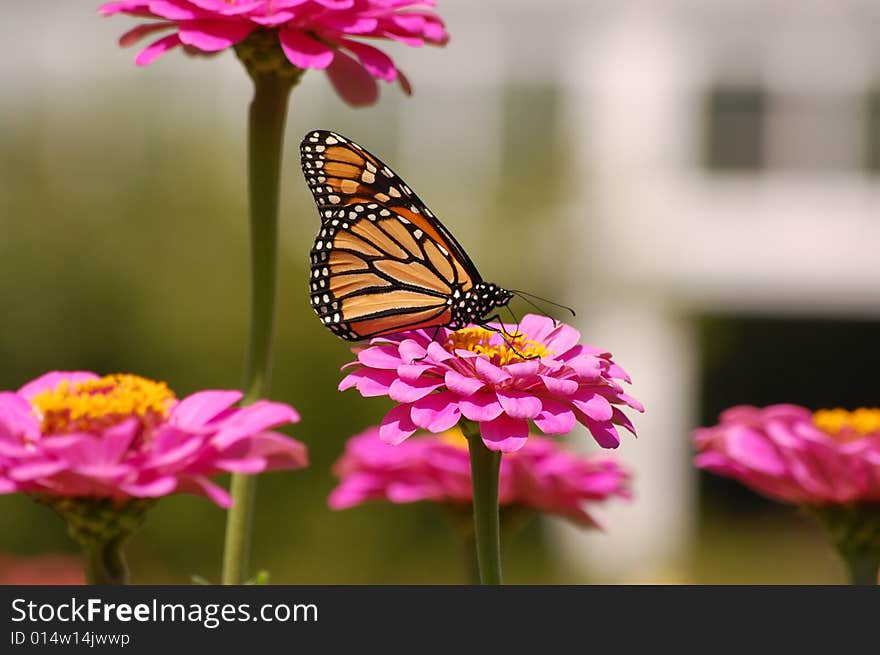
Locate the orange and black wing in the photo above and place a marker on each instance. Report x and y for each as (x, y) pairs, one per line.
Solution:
(341, 173)
(374, 272)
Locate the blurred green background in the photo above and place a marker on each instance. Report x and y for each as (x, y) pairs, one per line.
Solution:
(123, 247)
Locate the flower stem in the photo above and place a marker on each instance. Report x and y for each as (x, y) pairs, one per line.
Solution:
(268, 111)
(471, 565)
(854, 529)
(485, 469)
(105, 563)
(862, 568)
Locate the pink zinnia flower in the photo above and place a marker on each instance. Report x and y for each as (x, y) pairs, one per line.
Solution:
(312, 33)
(40, 570)
(541, 376)
(120, 437)
(541, 476)
(791, 454)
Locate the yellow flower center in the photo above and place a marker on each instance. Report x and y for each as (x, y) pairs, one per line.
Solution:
(98, 404)
(847, 425)
(510, 349)
(454, 437)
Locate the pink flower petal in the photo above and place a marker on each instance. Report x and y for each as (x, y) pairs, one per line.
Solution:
(489, 372)
(17, 418)
(505, 434)
(481, 407)
(404, 83)
(593, 405)
(115, 441)
(561, 386)
(252, 419)
(279, 451)
(7, 486)
(748, 448)
(397, 425)
(438, 353)
(374, 60)
(411, 351)
(403, 391)
(198, 409)
(137, 33)
(369, 382)
(518, 404)
(161, 486)
(621, 419)
(303, 51)
(604, 433)
(201, 486)
(214, 35)
(33, 470)
(156, 49)
(461, 384)
(555, 418)
(247, 465)
(50, 381)
(413, 371)
(526, 369)
(380, 357)
(437, 412)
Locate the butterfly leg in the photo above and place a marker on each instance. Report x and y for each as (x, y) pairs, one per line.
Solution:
(506, 336)
(433, 338)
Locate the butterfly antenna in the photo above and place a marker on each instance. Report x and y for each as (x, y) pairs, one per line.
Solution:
(526, 295)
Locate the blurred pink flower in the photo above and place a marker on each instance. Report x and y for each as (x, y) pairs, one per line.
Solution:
(543, 375)
(74, 434)
(41, 570)
(312, 33)
(791, 454)
(541, 476)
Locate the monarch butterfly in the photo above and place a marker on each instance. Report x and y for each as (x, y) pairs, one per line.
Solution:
(382, 263)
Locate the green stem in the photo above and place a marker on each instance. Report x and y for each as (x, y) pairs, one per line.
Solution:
(862, 568)
(472, 566)
(854, 529)
(105, 563)
(268, 111)
(485, 469)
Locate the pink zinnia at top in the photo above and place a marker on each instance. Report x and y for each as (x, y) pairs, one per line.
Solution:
(75, 434)
(317, 34)
(542, 375)
(542, 476)
(789, 453)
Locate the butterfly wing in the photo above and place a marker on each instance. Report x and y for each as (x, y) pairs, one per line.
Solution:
(375, 272)
(341, 173)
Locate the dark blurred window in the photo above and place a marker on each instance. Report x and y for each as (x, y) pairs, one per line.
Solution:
(734, 132)
(766, 360)
(872, 131)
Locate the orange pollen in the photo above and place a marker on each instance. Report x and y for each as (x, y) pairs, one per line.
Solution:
(99, 404)
(454, 437)
(514, 349)
(846, 425)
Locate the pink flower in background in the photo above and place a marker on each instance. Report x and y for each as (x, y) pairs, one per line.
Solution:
(543, 376)
(541, 476)
(41, 570)
(75, 434)
(317, 34)
(791, 454)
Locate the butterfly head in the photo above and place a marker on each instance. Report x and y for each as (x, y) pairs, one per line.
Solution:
(476, 302)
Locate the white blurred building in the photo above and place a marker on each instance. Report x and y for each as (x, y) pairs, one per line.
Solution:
(724, 157)
(715, 155)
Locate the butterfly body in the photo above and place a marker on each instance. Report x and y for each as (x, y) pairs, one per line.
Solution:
(382, 263)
